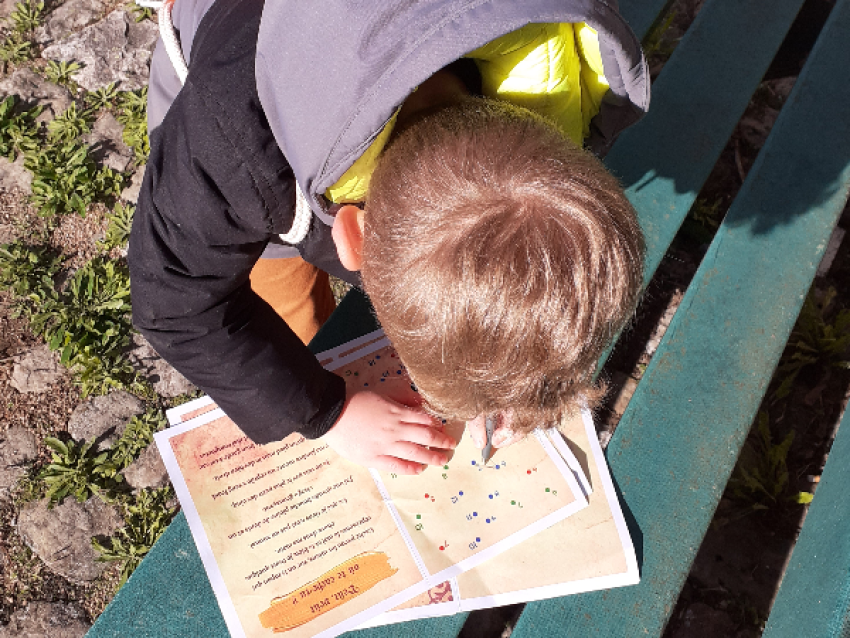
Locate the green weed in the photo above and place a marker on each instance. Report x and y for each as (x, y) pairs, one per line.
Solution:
(78, 470)
(132, 113)
(816, 339)
(90, 325)
(27, 16)
(102, 98)
(760, 479)
(18, 129)
(137, 436)
(62, 73)
(88, 322)
(15, 49)
(29, 488)
(146, 519)
(68, 125)
(66, 179)
(708, 215)
(24, 19)
(29, 272)
(654, 43)
(140, 13)
(761, 475)
(120, 223)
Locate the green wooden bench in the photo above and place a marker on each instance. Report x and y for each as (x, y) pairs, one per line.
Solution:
(676, 445)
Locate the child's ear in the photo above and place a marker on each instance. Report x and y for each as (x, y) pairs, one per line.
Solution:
(347, 234)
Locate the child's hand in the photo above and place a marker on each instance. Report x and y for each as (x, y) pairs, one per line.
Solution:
(376, 431)
(503, 436)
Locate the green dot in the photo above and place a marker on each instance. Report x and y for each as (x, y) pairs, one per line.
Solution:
(547, 489)
(513, 502)
(445, 467)
(418, 516)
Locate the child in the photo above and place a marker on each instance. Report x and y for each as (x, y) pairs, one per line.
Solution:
(500, 258)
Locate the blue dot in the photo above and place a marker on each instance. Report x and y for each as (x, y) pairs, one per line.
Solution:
(378, 357)
(365, 384)
(491, 496)
(497, 467)
(460, 493)
(398, 371)
(473, 462)
(477, 540)
(488, 520)
(475, 513)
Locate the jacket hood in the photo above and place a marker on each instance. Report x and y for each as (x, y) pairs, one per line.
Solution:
(329, 76)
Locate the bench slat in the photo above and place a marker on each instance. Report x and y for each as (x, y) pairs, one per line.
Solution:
(168, 594)
(641, 15)
(814, 599)
(697, 100)
(675, 446)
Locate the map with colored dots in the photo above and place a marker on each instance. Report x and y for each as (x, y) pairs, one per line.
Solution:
(465, 507)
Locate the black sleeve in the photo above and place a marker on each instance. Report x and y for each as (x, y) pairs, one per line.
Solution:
(204, 216)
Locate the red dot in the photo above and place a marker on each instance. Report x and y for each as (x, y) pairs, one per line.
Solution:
(528, 472)
(426, 496)
(442, 548)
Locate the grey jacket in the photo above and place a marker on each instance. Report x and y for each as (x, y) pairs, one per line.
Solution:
(294, 91)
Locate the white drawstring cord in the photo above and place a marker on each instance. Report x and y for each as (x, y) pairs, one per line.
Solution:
(169, 39)
(303, 214)
(301, 222)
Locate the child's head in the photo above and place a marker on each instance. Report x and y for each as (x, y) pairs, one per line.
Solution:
(501, 260)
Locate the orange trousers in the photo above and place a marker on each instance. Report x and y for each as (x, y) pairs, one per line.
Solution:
(299, 292)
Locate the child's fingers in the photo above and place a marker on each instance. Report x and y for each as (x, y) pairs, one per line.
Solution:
(413, 416)
(395, 465)
(419, 454)
(428, 436)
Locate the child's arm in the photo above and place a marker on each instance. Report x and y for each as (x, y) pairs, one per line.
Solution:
(204, 217)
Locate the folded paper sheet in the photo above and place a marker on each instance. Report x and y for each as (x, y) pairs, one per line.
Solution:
(588, 551)
(296, 539)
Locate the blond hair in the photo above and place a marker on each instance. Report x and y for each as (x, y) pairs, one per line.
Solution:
(501, 260)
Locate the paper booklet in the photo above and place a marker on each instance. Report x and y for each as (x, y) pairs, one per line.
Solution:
(296, 539)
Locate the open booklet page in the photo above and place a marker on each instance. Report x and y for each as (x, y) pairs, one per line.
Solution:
(588, 551)
(296, 539)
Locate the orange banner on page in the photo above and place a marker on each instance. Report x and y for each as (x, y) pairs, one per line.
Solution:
(330, 590)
